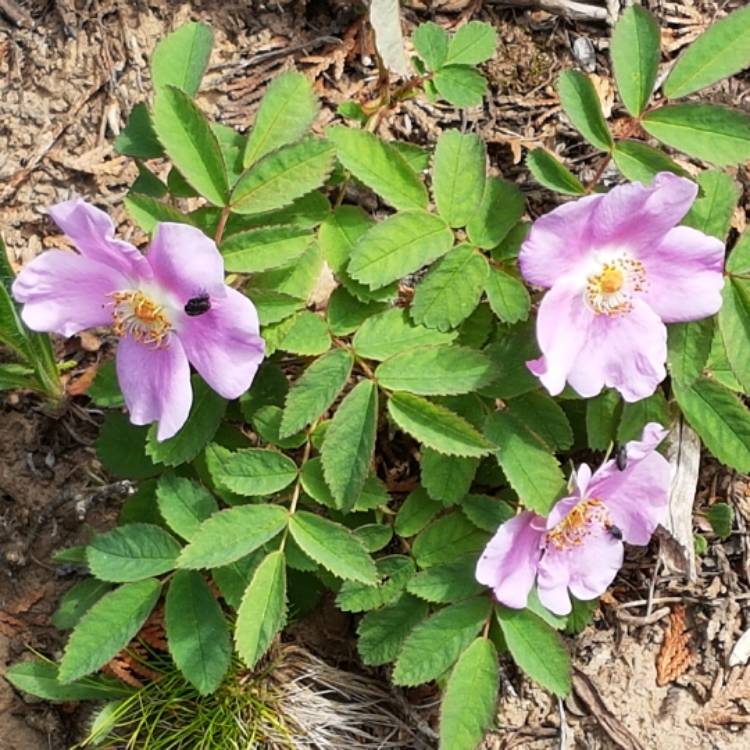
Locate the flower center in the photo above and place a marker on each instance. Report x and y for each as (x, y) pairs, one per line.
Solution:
(584, 518)
(612, 289)
(137, 315)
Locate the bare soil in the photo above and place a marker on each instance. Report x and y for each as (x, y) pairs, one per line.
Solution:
(70, 73)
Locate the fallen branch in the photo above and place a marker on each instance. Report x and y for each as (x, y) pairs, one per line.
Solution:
(568, 8)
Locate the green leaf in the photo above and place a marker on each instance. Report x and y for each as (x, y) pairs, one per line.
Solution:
(184, 504)
(180, 59)
(346, 313)
(266, 423)
(416, 512)
(306, 333)
(333, 546)
(315, 391)
(721, 51)
(636, 415)
(734, 327)
(283, 176)
(373, 495)
(486, 512)
(261, 249)
(635, 57)
(204, 419)
(234, 578)
(77, 601)
(532, 471)
(460, 85)
(273, 307)
(507, 295)
(147, 183)
(379, 166)
(446, 478)
(286, 111)
(536, 648)
(718, 135)
(544, 419)
(391, 332)
(197, 633)
(138, 138)
(349, 443)
(548, 171)
(640, 162)
(688, 347)
(475, 674)
(382, 633)
(262, 613)
(148, 212)
(270, 387)
(417, 157)
(191, 144)
(232, 145)
(107, 628)
(602, 417)
(41, 679)
(131, 553)
(458, 174)
(338, 235)
(451, 290)
(250, 471)
(374, 536)
(231, 534)
(447, 538)
(304, 212)
(398, 246)
(436, 643)
(739, 259)
(512, 348)
(447, 582)
(394, 572)
(720, 419)
(500, 209)
(581, 104)
(436, 371)
(721, 516)
(712, 211)
(13, 376)
(431, 43)
(435, 426)
(472, 44)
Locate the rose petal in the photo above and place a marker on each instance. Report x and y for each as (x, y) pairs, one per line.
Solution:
(561, 329)
(685, 275)
(594, 565)
(223, 344)
(552, 583)
(626, 352)
(186, 262)
(92, 232)
(63, 292)
(559, 242)
(155, 384)
(634, 216)
(509, 562)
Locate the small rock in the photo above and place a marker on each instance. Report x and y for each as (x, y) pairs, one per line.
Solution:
(583, 51)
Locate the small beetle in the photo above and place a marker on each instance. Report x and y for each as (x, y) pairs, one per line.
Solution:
(622, 458)
(198, 305)
(615, 531)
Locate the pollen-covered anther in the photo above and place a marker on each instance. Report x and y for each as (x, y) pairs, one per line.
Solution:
(611, 290)
(135, 314)
(585, 517)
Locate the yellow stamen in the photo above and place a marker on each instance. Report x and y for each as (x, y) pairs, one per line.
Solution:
(578, 524)
(611, 290)
(137, 315)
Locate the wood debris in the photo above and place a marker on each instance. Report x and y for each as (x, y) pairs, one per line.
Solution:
(729, 702)
(675, 655)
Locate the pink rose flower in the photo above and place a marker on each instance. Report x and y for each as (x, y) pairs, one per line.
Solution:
(618, 268)
(145, 300)
(579, 547)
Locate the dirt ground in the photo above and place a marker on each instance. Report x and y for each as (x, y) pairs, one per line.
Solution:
(70, 73)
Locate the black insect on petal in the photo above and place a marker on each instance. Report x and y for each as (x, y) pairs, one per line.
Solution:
(615, 531)
(622, 458)
(198, 305)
